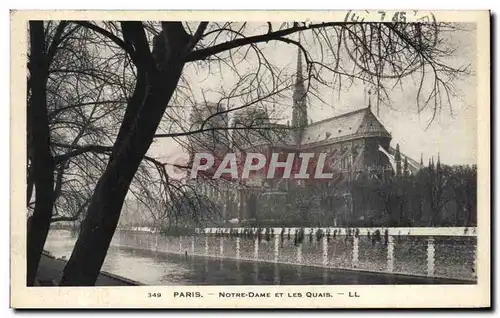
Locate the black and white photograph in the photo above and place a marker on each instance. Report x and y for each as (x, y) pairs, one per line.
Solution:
(229, 152)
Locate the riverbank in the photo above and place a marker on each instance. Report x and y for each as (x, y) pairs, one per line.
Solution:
(156, 260)
(210, 270)
(413, 255)
(51, 268)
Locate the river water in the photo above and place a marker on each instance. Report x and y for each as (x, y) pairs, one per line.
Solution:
(158, 268)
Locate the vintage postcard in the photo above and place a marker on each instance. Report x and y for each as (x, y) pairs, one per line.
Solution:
(330, 159)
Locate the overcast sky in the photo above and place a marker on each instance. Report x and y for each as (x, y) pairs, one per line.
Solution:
(454, 135)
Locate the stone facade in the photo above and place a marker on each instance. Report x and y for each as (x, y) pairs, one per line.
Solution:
(357, 145)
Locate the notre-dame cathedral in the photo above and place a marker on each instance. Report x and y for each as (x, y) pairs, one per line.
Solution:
(357, 141)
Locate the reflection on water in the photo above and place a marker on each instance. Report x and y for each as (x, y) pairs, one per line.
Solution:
(156, 268)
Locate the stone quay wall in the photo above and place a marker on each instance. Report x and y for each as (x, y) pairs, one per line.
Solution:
(432, 252)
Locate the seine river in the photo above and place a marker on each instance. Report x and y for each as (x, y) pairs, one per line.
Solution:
(156, 268)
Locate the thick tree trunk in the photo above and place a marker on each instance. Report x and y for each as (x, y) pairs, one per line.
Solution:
(42, 165)
(105, 207)
(100, 223)
(131, 112)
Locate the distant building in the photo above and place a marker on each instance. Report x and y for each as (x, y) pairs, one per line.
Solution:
(357, 141)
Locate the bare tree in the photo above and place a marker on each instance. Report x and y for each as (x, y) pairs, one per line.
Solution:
(40, 159)
(84, 97)
(156, 86)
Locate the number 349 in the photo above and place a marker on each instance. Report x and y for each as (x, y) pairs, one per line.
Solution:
(154, 295)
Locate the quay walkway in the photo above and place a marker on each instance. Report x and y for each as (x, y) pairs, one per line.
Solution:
(51, 268)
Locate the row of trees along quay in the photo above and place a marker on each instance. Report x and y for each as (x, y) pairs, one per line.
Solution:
(100, 93)
(299, 235)
(436, 196)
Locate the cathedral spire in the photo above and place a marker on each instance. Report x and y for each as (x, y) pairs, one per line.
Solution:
(397, 158)
(370, 99)
(299, 113)
(406, 169)
(299, 76)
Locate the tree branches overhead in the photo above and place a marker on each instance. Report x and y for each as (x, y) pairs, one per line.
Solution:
(102, 71)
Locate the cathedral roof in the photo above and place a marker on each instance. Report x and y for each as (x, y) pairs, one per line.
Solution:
(352, 125)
